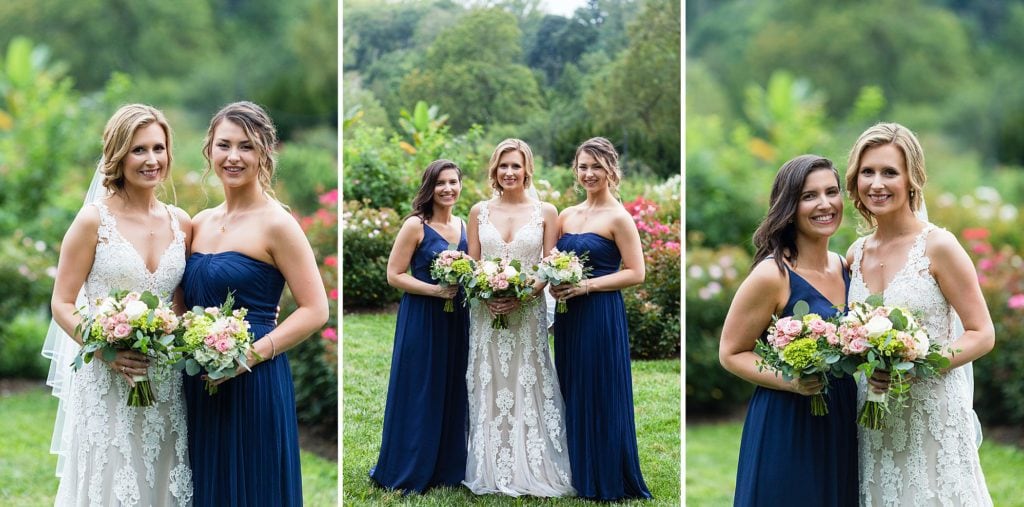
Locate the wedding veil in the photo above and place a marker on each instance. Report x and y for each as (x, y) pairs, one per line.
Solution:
(61, 349)
(958, 329)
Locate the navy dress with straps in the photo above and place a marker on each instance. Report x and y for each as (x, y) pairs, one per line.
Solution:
(788, 456)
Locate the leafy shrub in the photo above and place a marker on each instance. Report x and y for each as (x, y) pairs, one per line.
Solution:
(653, 308)
(712, 277)
(315, 361)
(310, 171)
(999, 386)
(20, 342)
(374, 172)
(367, 234)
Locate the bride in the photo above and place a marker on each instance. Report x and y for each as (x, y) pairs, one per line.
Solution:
(928, 455)
(516, 414)
(122, 239)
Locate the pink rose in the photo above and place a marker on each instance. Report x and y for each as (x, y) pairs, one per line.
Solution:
(122, 330)
(858, 345)
(818, 327)
(790, 327)
(1016, 302)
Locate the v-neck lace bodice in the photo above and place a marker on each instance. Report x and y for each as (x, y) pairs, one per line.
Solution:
(116, 454)
(527, 242)
(927, 456)
(118, 265)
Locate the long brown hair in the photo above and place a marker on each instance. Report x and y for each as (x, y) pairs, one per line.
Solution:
(604, 152)
(423, 204)
(776, 236)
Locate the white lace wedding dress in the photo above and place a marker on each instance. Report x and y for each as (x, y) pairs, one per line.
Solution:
(112, 454)
(516, 422)
(927, 455)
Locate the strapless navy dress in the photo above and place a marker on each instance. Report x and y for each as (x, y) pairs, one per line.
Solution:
(423, 443)
(244, 440)
(592, 359)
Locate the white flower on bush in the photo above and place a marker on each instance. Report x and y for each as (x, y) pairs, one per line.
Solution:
(877, 326)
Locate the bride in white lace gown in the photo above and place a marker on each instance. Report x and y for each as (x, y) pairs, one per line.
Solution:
(110, 453)
(927, 454)
(516, 414)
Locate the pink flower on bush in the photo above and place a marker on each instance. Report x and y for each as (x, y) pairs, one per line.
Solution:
(329, 334)
(331, 197)
(331, 260)
(976, 234)
(1016, 302)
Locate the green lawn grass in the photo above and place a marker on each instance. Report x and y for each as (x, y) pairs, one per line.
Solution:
(27, 467)
(713, 449)
(367, 358)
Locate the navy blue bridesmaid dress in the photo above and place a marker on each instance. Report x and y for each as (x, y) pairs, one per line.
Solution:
(787, 455)
(243, 441)
(423, 443)
(592, 359)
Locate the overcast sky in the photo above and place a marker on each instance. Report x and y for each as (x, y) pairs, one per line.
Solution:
(562, 7)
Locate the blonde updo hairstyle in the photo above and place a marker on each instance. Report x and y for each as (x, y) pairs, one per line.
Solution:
(913, 156)
(604, 152)
(504, 147)
(117, 141)
(260, 131)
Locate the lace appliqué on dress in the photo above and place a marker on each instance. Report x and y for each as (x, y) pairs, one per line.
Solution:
(927, 455)
(123, 455)
(516, 427)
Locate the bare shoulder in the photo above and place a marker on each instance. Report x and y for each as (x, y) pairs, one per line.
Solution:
(569, 211)
(942, 245)
(766, 278)
(87, 218)
(202, 216)
(412, 223)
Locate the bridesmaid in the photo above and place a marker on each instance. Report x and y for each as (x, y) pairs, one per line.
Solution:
(243, 440)
(592, 338)
(788, 455)
(424, 438)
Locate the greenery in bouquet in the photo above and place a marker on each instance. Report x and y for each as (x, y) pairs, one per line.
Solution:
(799, 346)
(215, 339)
(452, 267)
(128, 320)
(873, 337)
(499, 278)
(563, 268)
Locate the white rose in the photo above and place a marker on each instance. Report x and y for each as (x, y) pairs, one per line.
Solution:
(921, 343)
(490, 267)
(135, 309)
(877, 326)
(510, 271)
(105, 306)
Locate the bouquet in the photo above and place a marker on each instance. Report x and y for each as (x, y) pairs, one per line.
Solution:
(801, 346)
(562, 267)
(498, 278)
(878, 337)
(128, 321)
(452, 267)
(215, 339)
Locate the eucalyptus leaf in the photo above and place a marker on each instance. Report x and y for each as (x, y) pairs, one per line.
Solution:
(800, 309)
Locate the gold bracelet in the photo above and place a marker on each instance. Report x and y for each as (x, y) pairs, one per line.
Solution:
(273, 348)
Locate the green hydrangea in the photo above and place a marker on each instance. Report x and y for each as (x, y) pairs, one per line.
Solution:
(196, 333)
(561, 262)
(800, 353)
(462, 267)
(887, 343)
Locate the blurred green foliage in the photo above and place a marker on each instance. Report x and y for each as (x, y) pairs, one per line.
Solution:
(611, 69)
(767, 81)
